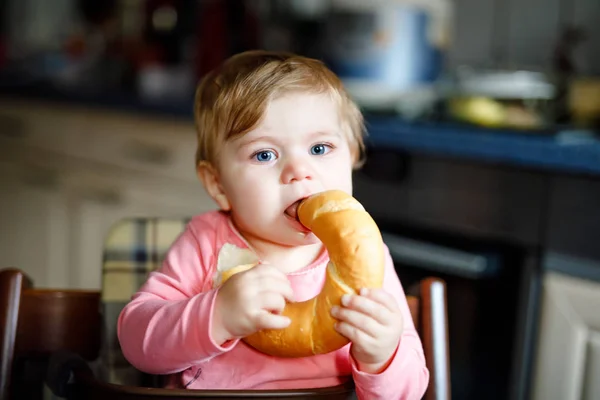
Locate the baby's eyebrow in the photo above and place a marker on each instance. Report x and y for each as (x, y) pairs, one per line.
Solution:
(324, 133)
(257, 139)
(243, 142)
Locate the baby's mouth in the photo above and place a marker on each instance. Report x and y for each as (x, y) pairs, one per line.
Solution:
(292, 211)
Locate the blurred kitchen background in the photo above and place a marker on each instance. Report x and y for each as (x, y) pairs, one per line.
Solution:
(483, 159)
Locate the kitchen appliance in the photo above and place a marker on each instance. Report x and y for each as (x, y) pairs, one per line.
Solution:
(477, 227)
(478, 274)
(385, 51)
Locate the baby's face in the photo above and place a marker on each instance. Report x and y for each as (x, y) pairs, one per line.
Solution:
(297, 150)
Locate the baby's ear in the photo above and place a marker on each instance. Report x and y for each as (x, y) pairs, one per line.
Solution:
(209, 177)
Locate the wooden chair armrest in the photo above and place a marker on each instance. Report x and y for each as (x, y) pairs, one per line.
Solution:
(12, 284)
(434, 325)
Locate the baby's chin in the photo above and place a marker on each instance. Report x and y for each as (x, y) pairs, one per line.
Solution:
(307, 238)
(282, 235)
(296, 238)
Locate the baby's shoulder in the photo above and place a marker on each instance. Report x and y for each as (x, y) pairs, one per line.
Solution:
(209, 225)
(214, 229)
(218, 243)
(202, 237)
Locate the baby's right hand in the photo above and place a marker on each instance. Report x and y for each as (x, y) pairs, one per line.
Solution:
(250, 301)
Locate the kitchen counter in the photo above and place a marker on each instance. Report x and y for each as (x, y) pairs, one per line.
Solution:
(572, 152)
(576, 152)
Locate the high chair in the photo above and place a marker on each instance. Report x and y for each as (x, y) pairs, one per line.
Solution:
(71, 377)
(136, 247)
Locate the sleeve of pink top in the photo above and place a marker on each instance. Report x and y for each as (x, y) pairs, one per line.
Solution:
(407, 376)
(165, 328)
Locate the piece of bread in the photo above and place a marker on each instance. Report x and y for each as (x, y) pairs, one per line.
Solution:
(355, 248)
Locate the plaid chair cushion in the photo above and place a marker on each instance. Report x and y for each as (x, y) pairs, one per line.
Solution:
(133, 248)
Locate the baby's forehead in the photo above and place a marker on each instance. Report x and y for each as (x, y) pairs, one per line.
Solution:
(294, 124)
(302, 108)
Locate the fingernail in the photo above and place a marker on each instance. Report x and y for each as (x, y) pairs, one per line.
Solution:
(335, 309)
(345, 299)
(364, 291)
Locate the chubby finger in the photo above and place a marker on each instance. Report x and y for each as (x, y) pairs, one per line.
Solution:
(271, 301)
(282, 287)
(288, 293)
(267, 320)
(354, 333)
(382, 297)
(269, 285)
(272, 284)
(268, 278)
(356, 320)
(368, 307)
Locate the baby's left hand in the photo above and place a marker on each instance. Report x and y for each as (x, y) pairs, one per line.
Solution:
(373, 323)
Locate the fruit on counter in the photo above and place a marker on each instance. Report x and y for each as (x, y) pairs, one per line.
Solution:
(491, 113)
(479, 110)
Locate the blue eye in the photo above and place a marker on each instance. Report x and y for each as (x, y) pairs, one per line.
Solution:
(320, 149)
(264, 156)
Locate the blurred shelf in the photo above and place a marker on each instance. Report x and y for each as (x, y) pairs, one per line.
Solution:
(113, 101)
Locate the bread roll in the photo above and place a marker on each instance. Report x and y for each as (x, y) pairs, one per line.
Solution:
(355, 248)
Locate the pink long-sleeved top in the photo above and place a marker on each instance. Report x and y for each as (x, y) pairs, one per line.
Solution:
(165, 328)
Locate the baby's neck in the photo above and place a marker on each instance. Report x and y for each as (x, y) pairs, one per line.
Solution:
(286, 259)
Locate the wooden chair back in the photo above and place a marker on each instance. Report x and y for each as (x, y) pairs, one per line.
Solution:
(37, 323)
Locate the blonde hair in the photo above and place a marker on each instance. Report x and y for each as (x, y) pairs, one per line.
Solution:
(231, 99)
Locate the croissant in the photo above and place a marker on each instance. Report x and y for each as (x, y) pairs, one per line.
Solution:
(355, 248)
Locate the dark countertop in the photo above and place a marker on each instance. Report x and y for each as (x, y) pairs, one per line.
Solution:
(574, 152)
(568, 151)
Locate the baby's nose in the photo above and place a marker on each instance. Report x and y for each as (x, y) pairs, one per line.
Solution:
(296, 169)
